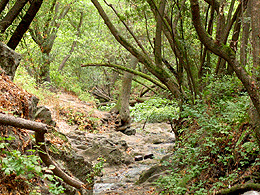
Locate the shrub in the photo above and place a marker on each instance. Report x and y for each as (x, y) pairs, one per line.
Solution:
(26, 167)
(154, 110)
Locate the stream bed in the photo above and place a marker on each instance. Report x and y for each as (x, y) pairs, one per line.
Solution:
(127, 156)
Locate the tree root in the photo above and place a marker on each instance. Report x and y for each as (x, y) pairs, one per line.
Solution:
(239, 189)
(40, 129)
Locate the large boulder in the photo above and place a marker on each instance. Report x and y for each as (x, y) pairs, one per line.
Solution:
(9, 60)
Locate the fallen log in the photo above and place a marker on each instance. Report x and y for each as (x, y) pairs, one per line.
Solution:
(40, 129)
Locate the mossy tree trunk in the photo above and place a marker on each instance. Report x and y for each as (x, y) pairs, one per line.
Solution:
(122, 106)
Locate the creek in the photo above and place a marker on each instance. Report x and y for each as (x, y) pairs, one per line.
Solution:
(122, 152)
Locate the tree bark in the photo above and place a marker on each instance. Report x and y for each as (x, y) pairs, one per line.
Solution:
(159, 72)
(123, 101)
(145, 76)
(158, 34)
(24, 24)
(12, 14)
(245, 34)
(228, 54)
(3, 3)
(23, 123)
(45, 38)
(255, 21)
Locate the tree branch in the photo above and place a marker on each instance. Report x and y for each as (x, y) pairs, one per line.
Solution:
(145, 76)
(159, 72)
(129, 30)
(3, 3)
(74, 44)
(158, 34)
(229, 55)
(22, 123)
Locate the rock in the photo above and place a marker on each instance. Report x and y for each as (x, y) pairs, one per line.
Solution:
(251, 193)
(77, 165)
(44, 114)
(9, 60)
(130, 131)
(128, 160)
(33, 101)
(122, 144)
(151, 156)
(105, 148)
(156, 169)
(139, 158)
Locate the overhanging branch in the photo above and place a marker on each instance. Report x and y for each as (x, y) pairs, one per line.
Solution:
(145, 76)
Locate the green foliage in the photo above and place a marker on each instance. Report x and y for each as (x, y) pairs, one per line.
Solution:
(28, 83)
(72, 84)
(215, 145)
(221, 88)
(96, 171)
(154, 110)
(26, 166)
(76, 117)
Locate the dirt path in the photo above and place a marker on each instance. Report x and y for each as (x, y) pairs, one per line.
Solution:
(154, 139)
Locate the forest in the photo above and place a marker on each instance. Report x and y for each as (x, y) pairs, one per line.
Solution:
(166, 89)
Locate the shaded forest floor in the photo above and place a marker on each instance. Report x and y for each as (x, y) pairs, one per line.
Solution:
(215, 147)
(70, 114)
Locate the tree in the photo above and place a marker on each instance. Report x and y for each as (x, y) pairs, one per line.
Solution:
(13, 14)
(255, 21)
(143, 56)
(44, 32)
(226, 52)
(122, 106)
(10, 17)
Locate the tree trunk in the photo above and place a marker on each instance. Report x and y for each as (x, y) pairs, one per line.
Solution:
(159, 72)
(255, 21)
(123, 102)
(3, 3)
(245, 35)
(229, 55)
(24, 24)
(45, 38)
(40, 129)
(12, 14)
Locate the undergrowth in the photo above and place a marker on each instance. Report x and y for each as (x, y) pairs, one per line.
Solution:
(20, 173)
(44, 91)
(216, 148)
(154, 110)
(84, 121)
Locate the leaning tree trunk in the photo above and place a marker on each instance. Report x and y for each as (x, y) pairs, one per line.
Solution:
(123, 102)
